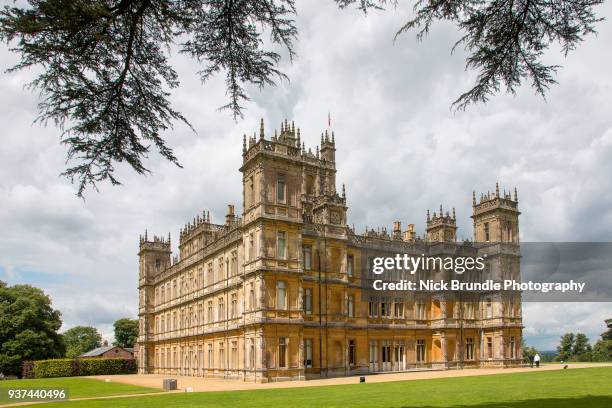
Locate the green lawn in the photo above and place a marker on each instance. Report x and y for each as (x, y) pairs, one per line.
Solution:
(78, 387)
(576, 388)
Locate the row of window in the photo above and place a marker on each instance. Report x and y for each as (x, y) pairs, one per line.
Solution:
(281, 190)
(193, 358)
(189, 282)
(308, 261)
(190, 316)
(195, 315)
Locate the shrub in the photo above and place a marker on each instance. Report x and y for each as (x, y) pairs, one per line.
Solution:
(59, 367)
(87, 366)
(27, 369)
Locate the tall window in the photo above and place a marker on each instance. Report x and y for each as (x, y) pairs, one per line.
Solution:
(373, 309)
(386, 354)
(373, 353)
(280, 188)
(210, 356)
(234, 355)
(281, 295)
(352, 352)
(486, 232)
(220, 269)
(469, 311)
(512, 348)
(234, 263)
(251, 191)
(211, 277)
(281, 244)
(469, 348)
(489, 309)
(209, 316)
(252, 353)
(252, 298)
(234, 306)
(420, 350)
(307, 353)
(489, 347)
(399, 310)
(420, 311)
(282, 352)
(350, 306)
(307, 251)
(308, 301)
(221, 355)
(221, 310)
(385, 309)
(251, 247)
(349, 265)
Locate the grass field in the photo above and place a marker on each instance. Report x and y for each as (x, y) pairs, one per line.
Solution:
(78, 387)
(591, 387)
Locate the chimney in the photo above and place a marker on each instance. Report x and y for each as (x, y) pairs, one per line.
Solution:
(409, 234)
(397, 229)
(230, 217)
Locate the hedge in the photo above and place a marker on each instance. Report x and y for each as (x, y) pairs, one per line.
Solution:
(68, 367)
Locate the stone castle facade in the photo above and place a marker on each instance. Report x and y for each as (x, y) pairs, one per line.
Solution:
(277, 294)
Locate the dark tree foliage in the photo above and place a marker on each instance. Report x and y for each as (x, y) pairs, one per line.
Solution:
(106, 78)
(28, 327)
(81, 339)
(126, 332)
(505, 39)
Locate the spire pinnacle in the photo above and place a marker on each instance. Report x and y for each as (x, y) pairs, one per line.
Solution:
(496, 189)
(474, 197)
(261, 129)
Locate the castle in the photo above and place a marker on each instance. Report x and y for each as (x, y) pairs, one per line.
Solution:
(277, 294)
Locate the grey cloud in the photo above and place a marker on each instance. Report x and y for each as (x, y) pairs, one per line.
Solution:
(401, 150)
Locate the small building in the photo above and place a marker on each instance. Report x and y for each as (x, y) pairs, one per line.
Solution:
(109, 352)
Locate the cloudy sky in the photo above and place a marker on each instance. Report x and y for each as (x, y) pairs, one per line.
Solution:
(401, 150)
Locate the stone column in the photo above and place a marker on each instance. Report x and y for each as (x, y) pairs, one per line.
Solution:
(443, 308)
(444, 347)
(501, 353)
(262, 293)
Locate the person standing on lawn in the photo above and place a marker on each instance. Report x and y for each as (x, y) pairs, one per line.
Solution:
(536, 358)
